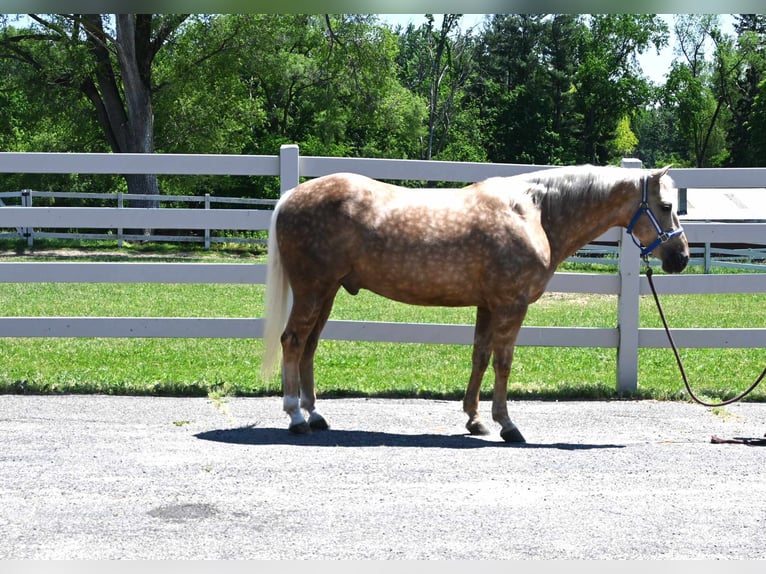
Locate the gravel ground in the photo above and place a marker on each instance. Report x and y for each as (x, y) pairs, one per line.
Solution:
(97, 477)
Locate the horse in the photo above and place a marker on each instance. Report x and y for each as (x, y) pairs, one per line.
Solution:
(493, 245)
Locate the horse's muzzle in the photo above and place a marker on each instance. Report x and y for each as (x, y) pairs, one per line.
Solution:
(675, 262)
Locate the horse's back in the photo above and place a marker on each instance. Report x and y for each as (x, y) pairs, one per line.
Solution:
(358, 196)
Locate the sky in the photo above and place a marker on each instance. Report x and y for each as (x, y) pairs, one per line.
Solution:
(655, 66)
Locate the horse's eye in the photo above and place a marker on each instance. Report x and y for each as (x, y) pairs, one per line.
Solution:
(666, 207)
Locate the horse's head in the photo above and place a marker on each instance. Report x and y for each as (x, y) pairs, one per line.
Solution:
(655, 226)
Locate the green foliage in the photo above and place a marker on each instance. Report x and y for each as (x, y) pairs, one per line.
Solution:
(437, 64)
(699, 91)
(515, 97)
(757, 127)
(327, 84)
(524, 88)
(659, 139)
(748, 70)
(608, 81)
(624, 142)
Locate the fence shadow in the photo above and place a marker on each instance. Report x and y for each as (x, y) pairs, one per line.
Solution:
(262, 436)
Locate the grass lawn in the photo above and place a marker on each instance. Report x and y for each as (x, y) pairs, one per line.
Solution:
(221, 366)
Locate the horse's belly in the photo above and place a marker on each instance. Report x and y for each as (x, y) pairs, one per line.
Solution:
(446, 287)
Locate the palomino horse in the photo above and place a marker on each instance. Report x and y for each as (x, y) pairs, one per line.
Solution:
(493, 245)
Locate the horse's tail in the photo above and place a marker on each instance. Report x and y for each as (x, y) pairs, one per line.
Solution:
(277, 290)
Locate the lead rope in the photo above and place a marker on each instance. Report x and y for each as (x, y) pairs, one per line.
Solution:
(678, 357)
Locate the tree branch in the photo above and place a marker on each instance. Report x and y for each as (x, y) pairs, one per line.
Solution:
(170, 24)
(334, 38)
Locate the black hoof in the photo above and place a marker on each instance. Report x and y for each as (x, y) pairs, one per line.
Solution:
(318, 423)
(477, 428)
(512, 435)
(300, 428)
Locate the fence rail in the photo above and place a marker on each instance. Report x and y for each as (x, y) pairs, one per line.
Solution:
(26, 199)
(626, 337)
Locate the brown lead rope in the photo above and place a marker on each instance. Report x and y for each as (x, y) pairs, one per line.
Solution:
(678, 358)
(714, 439)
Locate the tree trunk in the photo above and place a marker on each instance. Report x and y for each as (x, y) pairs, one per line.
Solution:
(135, 59)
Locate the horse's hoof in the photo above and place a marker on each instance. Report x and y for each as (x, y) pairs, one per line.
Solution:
(317, 422)
(477, 428)
(512, 435)
(300, 428)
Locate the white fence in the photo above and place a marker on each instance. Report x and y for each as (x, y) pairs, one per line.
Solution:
(26, 198)
(626, 337)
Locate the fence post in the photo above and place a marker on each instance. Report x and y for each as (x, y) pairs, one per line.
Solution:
(289, 167)
(207, 231)
(120, 205)
(628, 307)
(289, 177)
(26, 201)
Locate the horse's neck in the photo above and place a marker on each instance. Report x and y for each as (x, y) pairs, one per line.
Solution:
(573, 222)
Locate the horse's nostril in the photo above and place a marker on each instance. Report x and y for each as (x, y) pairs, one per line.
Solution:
(676, 262)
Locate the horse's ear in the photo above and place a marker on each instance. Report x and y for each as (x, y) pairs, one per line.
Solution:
(658, 173)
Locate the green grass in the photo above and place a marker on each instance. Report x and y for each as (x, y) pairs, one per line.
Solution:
(222, 366)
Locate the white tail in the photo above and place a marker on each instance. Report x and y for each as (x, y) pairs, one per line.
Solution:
(277, 289)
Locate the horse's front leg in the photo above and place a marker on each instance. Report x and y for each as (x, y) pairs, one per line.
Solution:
(506, 324)
(479, 363)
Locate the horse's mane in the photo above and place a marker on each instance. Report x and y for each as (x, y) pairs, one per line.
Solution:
(572, 183)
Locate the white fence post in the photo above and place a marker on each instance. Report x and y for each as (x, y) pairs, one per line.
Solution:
(289, 177)
(120, 205)
(628, 307)
(289, 167)
(207, 230)
(26, 201)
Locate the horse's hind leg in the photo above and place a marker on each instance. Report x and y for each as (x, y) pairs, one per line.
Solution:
(308, 390)
(303, 319)
(479, 362)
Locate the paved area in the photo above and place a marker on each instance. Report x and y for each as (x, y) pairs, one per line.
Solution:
(85, 477)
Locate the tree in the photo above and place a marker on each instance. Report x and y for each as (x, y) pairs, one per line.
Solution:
(757, 127)
(108, 59)
(327, 82)
(659, 139)
(203, 106)
(624, 142)
(436, 63)
(696, 89)
(746, 82)
(555, 87)
(608, 81)
(514, 89)
(37, 118)
(560, 58)
(426, 63)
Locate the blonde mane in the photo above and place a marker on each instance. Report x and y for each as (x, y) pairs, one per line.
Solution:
(563, 185)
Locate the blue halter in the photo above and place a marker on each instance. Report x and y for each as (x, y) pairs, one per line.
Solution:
(643, 208)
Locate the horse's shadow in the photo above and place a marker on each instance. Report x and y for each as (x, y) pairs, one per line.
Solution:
(261, 436)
